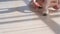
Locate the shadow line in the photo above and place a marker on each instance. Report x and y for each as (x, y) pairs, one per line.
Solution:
(17, 16)
(26, 29)
(19, 20)
(19, 9)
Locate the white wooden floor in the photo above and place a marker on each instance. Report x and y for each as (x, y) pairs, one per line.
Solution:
(16, 18)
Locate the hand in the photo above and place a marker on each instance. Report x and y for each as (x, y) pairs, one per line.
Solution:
(56, 7)
(37, 4)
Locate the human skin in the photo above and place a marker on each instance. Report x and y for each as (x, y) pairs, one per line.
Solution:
(53, 3)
